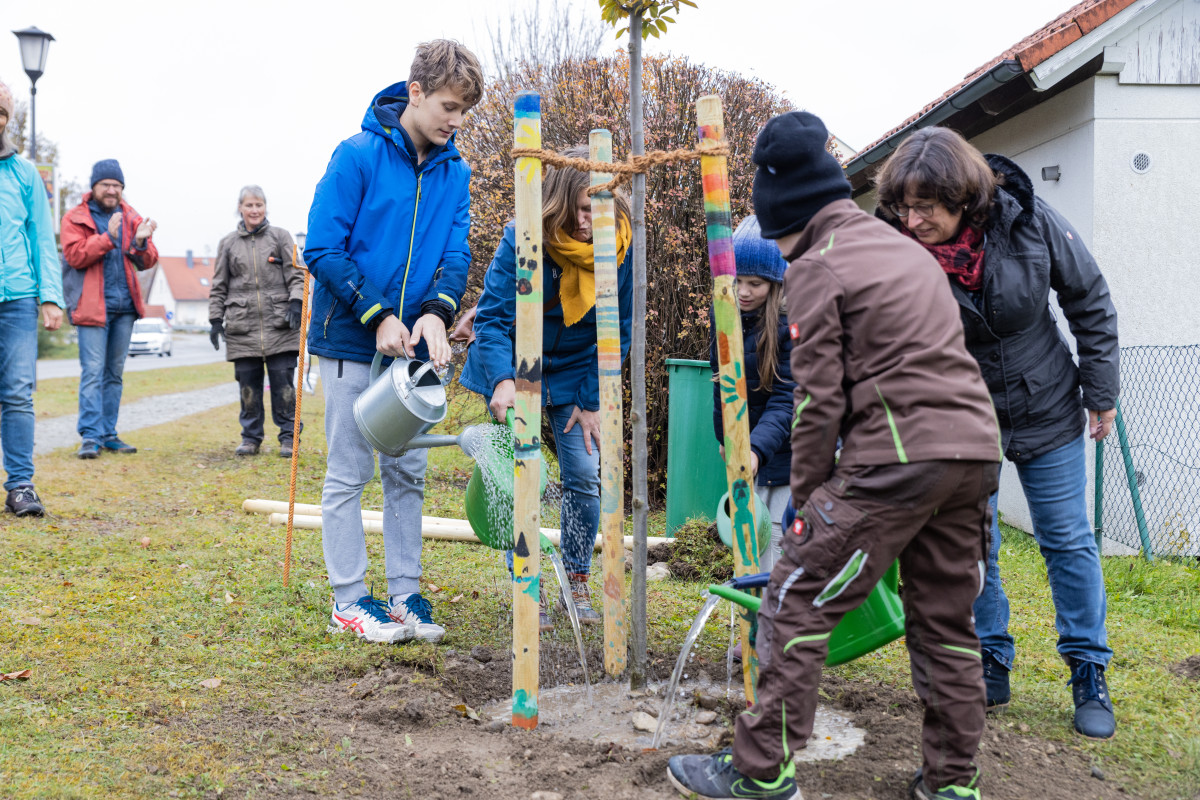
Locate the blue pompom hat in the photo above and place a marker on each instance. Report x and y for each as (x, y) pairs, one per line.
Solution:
(754, 254)
(108, 169)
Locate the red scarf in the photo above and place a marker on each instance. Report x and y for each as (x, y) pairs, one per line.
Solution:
(961, 258)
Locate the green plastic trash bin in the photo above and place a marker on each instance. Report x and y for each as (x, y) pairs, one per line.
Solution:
(695, 472)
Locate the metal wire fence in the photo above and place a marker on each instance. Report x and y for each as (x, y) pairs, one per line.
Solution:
(1148, 475)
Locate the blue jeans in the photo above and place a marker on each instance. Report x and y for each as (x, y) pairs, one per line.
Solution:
(18, 366)
(102, 352)
(1054, 486)
(580, 472)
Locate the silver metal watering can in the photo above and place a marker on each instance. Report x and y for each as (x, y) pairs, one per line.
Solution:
(401, 404)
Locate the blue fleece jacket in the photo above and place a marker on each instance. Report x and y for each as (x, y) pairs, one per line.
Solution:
(569, 370)
(385, 235)
(29, 264)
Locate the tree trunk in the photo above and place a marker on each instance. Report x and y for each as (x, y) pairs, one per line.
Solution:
(637, 670)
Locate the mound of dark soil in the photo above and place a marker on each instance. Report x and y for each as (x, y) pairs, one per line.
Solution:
(1188, 668)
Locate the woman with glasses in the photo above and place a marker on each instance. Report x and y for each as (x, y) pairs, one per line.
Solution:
(1003, 250)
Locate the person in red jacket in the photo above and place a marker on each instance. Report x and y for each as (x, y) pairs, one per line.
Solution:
(105, 244)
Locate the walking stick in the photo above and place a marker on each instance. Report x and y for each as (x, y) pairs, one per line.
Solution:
(527, 132)
(287, 548)
(608, 346)
(731, 362)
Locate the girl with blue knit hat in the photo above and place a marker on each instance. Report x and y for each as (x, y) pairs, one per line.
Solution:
(769, 383)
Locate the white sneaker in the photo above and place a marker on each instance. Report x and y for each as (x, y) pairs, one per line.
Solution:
(368, 619)
(415, 612)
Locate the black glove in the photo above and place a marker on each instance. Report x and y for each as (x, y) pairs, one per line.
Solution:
(218, 330)
(295, 309)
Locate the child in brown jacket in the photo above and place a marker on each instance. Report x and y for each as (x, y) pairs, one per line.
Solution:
(878, 359)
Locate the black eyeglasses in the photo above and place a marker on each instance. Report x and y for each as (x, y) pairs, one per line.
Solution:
(922, 210)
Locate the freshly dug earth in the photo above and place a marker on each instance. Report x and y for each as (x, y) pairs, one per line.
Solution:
(1188, 668)
(395, 732)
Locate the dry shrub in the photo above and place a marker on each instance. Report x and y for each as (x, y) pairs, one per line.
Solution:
(578, 96)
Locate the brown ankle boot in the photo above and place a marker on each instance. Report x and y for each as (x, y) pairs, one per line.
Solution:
(583, 599)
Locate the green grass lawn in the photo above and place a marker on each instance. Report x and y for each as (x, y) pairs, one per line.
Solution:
(149, 579)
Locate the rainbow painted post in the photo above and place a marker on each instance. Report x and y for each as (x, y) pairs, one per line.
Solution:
(730, 360)
(527, 424)
(612, 473)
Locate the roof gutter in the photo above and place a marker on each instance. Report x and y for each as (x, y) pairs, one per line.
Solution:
(974, 91)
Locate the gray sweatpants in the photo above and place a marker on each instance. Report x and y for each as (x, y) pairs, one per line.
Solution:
(349, 465)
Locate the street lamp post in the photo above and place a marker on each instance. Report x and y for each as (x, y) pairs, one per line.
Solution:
(35, 44)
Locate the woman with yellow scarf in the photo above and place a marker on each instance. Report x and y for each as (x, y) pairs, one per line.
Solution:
(570, 379)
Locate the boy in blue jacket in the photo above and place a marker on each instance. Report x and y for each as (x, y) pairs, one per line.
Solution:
(387, 243)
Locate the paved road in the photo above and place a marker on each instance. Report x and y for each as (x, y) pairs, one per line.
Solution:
(187, 350)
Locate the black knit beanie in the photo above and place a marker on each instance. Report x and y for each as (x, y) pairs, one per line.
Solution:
(796, 177)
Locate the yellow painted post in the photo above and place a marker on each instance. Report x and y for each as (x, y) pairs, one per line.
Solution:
(714, 173)
(608, 345)
(527, 423)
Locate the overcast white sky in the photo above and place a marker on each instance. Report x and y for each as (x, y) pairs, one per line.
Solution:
(197, 99)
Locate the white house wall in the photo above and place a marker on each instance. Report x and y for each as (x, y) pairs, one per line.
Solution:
(160, 295)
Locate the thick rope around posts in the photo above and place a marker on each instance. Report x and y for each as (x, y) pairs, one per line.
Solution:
(287, 547)
(623, 171)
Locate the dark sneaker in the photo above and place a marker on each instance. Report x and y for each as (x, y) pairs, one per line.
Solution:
(24, 501)
(88, 450)
(716, 778)
(995, 678)
(248, 447)
(583, 599)
(115, 445)
(1093, 707)
(919, 791)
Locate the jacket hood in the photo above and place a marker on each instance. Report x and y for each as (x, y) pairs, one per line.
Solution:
(263, 228)
(384, 114)
(7, 149)
(1016, 183)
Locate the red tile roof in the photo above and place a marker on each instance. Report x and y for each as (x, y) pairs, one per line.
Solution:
(1070, 26)
(157, 311)
(187, 284)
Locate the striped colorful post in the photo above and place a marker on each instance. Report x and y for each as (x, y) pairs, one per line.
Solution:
(612, 473)
(730, 360)
(527, 427)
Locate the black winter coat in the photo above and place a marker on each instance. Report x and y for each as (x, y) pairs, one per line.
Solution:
(1010, 327)
(770, 412)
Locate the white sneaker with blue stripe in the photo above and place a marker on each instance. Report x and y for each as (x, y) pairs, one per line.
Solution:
(368, 619)
(414, 611)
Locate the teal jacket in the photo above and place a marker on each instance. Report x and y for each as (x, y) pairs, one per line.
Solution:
(29, 265)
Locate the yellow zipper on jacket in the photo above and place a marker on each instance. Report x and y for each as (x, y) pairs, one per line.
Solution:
(411, 238)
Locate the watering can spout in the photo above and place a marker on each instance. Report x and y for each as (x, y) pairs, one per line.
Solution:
(470, 440)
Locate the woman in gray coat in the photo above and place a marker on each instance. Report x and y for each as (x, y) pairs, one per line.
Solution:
(255, 304)
(1004, 250)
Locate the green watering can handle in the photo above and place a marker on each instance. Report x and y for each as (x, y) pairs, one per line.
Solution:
(510, 416)
(746, 601)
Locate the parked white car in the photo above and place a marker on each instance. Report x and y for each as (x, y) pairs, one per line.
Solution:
(150, 335)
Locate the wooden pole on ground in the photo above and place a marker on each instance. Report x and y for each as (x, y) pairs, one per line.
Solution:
(608, 346)
(527, 427)
(298, 263)
(730, 360)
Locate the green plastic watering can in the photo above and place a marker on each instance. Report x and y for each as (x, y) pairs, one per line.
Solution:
(489, 498)
(878, 621)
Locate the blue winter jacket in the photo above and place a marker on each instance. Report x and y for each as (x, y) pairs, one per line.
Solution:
(28, 255)
(385, 233)
(569, 369)
(770, 412)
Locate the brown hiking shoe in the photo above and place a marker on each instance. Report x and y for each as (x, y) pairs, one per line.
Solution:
(248, 447)
(583, 599)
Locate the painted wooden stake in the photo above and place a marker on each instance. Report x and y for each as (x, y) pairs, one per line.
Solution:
(612, 472)
(527, 427)
(731, 361)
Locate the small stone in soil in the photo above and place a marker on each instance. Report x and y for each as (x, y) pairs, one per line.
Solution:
(495, 726)
(1097, 774)
(644, 722)
(706, 702)
(705, 717)
(481, 654)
